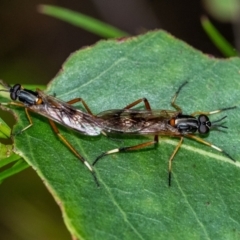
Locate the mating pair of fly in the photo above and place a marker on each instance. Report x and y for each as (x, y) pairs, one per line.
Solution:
(117, 121)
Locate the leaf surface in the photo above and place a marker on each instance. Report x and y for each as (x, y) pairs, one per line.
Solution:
(134, 200)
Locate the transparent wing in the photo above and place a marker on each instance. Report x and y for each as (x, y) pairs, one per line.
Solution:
(137, 121)
(67, 115)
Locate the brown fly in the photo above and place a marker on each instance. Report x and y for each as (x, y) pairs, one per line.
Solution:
(56, 111)
(159, 123)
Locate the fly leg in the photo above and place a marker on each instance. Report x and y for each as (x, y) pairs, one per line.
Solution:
(27, 114)
(214, 123)
(212, 112)
(146, 103)
(171, 159)
(75, 100)
(143, 145)
(175, 97)
(73, 150)
(29, 119)
(133, 104)
(127, 149)
(136, 147)
(210, 145)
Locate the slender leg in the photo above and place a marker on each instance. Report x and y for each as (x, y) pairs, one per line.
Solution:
(175, 97)
(127, 149)
(146, 103)
(210, 145)
(75, 100)
(136, 147)
(28, 126)
(13, 103)
(69, 145)
(27, 114)
(212, 112)
(198, 140)
(55, 129)
(156, 140)
(147, 106)
(29, 119)
(171, 159)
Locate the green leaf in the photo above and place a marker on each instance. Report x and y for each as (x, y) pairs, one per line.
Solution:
(6, 157)
(217, 38)
(19, 166)
(5, 153)
(5, 130)
(134, 200)
(80, 20)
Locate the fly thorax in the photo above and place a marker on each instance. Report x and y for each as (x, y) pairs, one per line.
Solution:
(185, 123)
(28, 97)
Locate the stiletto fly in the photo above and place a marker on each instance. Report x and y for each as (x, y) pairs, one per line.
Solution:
(56, 111)
(159, 123)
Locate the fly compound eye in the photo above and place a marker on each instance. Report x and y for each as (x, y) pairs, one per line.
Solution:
(14, 91)
(203, 119)
(203, 129)
(204, 124)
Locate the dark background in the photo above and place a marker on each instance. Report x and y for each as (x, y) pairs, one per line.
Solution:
(32, 49)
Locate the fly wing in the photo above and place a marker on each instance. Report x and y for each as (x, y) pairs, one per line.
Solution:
(137, 121)
(65, 114)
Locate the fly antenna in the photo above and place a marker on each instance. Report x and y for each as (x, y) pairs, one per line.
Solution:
(4, 90)
(5, 85)
(218, 125)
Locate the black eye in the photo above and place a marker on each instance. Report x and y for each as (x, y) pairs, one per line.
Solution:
(203, 119)
(203, 129)
(14, 91)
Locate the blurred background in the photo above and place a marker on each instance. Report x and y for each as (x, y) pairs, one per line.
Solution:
(33, 48)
